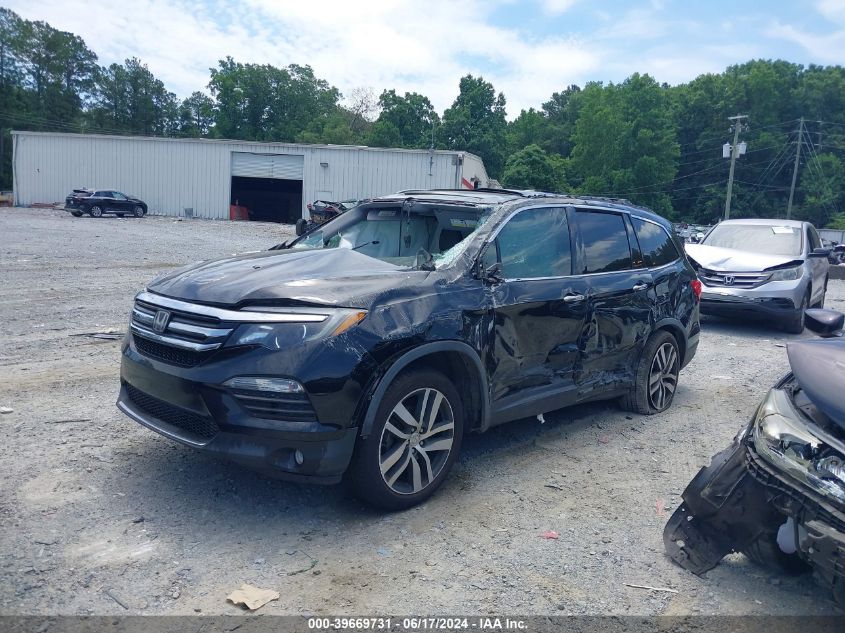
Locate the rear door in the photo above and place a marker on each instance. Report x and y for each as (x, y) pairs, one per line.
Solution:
(618, 289)
(539, 307)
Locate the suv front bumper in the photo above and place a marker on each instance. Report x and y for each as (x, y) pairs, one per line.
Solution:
(207, 417)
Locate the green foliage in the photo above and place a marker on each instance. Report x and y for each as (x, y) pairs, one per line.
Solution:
(533, 168)
(476, 123)
(265, 103)
(625, 139)
(404, 121)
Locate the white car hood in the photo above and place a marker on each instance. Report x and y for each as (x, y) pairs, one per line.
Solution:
(732, 260)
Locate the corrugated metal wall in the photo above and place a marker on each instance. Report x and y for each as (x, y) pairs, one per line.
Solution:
(172, 174)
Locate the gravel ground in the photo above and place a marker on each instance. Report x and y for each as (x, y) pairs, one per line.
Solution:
(101, 516)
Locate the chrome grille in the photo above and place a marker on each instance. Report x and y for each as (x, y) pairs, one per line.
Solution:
(181, 337)
(732, 280)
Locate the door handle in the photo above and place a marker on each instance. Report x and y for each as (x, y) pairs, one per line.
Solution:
(573, 298)
(640, 285)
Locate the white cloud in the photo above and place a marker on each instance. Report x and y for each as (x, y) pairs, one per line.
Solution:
(828, 48)
(401, 44)
(556, 7)
(833, 10)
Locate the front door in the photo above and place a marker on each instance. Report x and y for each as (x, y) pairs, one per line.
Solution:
(539, 309)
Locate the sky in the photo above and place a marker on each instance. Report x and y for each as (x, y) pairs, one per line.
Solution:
(527, 49)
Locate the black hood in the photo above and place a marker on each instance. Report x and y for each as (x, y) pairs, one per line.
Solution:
(336, 276)
(819, 367)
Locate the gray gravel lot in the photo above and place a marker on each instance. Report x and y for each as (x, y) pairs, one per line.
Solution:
(101, 516)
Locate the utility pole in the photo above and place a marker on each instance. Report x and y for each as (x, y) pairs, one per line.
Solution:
(737, 125)
(795, 168)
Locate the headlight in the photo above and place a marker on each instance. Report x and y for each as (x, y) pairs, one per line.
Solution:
(285, 335)
(787, 274)
(782, 438)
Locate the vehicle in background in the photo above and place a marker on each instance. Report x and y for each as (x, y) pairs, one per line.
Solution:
(104, 202)
(777, 493)
(691, 234)
(770, 269)
(837, 252)
(371, 344)
(321, 211)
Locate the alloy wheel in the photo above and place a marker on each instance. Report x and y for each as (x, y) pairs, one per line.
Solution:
(663, 378)
(416, 441)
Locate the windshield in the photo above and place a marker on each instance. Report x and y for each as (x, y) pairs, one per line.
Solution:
(757, 238)
(398, 236)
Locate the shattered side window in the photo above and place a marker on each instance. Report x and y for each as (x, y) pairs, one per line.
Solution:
(535, 243)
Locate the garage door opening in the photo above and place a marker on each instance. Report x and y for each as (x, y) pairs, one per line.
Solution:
(268, 185)
(268, 199)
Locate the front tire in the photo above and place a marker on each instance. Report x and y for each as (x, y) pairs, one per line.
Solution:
(796, 324)
(656, 377)
(415, 440)
(138, 212)
(76, 214)
(95, 211)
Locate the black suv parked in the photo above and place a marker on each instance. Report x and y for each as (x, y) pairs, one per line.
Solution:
(103, 202)
(371, 344)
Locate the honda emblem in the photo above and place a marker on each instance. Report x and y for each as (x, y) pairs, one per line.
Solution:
(161, 320)
(729, 280)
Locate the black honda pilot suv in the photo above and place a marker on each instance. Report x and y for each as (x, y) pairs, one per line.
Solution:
(368, 346)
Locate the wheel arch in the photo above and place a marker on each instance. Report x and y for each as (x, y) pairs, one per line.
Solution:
(676, 329)
(458, 361)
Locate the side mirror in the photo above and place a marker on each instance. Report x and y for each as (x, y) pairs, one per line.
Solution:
(820, 252)
(494, 273)
(825, 323)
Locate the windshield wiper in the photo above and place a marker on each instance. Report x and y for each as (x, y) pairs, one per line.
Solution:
(355, 248)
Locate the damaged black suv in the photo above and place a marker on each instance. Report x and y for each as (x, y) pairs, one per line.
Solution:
(371, 344)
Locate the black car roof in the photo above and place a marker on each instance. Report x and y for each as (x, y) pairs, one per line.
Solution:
(489, 197)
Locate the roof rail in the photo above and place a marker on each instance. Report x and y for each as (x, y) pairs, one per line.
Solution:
(513, 192)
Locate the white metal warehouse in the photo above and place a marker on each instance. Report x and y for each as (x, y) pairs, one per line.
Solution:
(273, 180)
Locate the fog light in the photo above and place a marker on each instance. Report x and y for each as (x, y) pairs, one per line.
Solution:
(299, 457)
(258, 383)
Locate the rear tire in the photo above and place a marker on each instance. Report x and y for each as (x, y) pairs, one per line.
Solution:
(76, 214)
(415, 440)
(656, 377)
(95, 211)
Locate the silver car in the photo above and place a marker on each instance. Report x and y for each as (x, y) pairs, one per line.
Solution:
(770, 269)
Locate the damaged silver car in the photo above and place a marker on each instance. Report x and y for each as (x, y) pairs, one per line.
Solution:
(777, 494)
(769, 269)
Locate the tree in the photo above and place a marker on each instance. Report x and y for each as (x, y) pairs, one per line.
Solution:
(196, 115)
(129, 98)
(265, 103)
(533, 168)
(476, 123)
(405, 121)
(624, 141)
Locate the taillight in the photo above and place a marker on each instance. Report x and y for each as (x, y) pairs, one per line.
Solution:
(696, 288)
